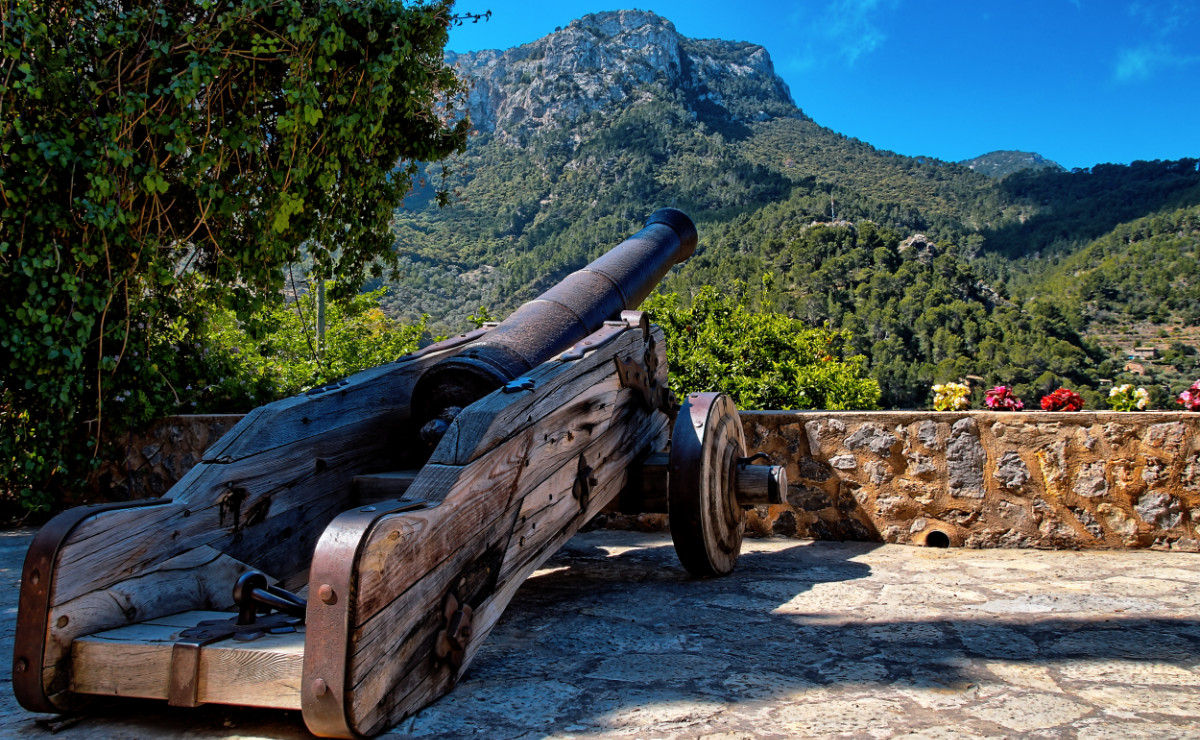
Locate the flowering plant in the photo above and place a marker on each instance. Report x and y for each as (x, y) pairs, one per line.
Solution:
(1191, 397)
(1001, 398)
(1062, 400)
(951, 397)
(1127, 398)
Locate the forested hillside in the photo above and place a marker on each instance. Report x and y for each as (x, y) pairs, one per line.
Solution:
(937, 271)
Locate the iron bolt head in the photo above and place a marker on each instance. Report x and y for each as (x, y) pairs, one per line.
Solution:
(326, 594)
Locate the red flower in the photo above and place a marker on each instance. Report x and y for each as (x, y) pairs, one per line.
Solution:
(1062, 400)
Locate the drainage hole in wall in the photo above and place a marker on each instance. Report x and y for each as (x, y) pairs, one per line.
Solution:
(937, 539)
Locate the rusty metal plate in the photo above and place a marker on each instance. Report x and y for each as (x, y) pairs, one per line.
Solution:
(330, 616)
(597, 339)
(609, 331)
(450, 343)
(33, 604)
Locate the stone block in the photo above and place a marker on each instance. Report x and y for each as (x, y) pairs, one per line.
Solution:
(844, 462)
(930, 435)
(964, 460)
(814, 470)
(1011, 471)
(1168, 436)
(1090, 482)
(1160, 510)
(873, 438)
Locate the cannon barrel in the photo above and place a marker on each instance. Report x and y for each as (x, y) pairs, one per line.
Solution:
(562, 316)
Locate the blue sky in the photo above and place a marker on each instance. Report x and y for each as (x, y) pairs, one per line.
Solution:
(1079, 81)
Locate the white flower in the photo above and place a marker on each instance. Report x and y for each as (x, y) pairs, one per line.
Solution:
(1142, 398)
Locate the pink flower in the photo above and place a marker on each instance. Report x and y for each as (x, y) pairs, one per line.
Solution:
(1001, 398)
(1190, 399)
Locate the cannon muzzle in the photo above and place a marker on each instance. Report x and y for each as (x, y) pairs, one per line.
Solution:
(553, 322)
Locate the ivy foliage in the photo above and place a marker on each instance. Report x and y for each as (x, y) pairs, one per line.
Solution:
(157, 155)
(762, 359)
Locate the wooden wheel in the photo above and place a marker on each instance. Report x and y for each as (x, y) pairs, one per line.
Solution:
(706, 520)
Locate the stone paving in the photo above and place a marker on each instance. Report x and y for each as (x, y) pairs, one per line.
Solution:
(807, 639)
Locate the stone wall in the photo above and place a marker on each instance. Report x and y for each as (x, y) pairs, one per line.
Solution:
(158, 456)
(985, 479)
(974, 479)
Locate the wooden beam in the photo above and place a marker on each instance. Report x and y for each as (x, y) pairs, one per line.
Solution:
(135, 661)
(516, 475)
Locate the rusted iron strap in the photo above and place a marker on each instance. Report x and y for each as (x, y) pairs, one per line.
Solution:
(597, 339)
(329, 617)
(183, 687)
(450, 343)
(609, 331)
(33, 604)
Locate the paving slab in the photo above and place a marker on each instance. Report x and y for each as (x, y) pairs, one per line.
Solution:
(612, 639)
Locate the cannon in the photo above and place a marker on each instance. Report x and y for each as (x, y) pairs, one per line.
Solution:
(346, 551)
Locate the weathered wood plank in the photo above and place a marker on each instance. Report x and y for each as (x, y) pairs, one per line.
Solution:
(480, 491)
(486, 424)
(550, 509)
(230, 500)
(135, 661)
(392, 667)
(384, 486)
(378, 393)
(498, 519)
(283, 475)
(201, 578)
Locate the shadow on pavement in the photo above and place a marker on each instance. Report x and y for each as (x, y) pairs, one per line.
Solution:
(613, 635)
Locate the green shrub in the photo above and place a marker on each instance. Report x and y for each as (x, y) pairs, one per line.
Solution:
(763, 360)
(283, 356)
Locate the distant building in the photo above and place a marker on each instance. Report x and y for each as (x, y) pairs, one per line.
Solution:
(1144, 353)
(1136, 368)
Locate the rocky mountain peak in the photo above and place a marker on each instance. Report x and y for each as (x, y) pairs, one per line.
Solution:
(619, 57)
(1005, 162)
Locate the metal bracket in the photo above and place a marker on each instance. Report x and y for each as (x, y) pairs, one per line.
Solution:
(610, 331)
(518, 385)
(453, 639)
(334, 562)
(597, 339)
(327, 387)
(450, 343)
(642, 375)
(637, 320)
(584, 480)
(633, 375)
(744, 461)
(183, 688)
(33, 606)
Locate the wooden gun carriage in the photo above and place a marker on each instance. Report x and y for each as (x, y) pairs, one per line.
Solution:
(371, 531)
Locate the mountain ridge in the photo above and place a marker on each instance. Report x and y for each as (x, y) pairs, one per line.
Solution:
(602, 59)
(568, 160)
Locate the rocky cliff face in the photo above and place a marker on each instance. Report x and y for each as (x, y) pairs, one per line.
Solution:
(617, 57)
